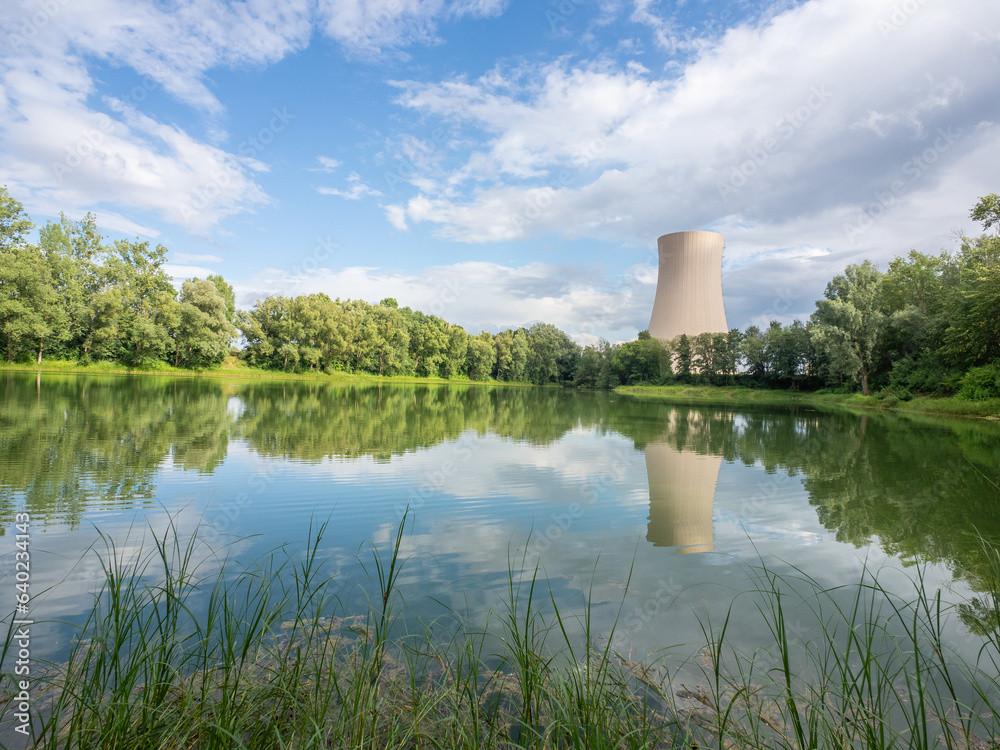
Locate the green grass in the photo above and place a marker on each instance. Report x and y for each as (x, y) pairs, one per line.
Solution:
(233, 368)
(738, 396)
(268, 662)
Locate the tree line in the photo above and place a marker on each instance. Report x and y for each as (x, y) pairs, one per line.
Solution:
(927, 324)
(73, 296)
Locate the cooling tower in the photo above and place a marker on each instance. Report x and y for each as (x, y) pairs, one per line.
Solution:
(688, 286)
(681, 493)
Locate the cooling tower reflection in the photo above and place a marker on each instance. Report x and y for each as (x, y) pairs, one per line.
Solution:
(681, 492)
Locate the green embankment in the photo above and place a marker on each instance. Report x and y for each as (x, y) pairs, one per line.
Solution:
(682, 394)
(232, 368)
(734, 396)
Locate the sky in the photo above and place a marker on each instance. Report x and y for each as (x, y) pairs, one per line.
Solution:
(505, 162)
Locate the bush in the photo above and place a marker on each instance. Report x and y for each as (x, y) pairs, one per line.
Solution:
(981, 383)
(925, 375)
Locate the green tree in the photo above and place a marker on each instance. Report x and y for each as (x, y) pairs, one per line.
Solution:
(972, 338)
(754, 351)
(987, 210)
(641, 361)
(681, 347)
(428, 343)
(75, 257)
(458, 346)
(848, 323)
(148, 309)
(265, 328)
(481, 356)
(25, 284)
(386, 329)
(204, 332)
(503, 342)
(512, 354)
(703, 356)
(588, 368)
(225, 291)
(551, 356)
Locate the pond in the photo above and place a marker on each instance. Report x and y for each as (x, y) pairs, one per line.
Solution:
(654, 516)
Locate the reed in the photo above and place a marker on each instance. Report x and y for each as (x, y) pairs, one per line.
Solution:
(177, 655)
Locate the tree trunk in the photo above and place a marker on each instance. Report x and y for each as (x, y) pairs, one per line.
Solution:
(864, 380)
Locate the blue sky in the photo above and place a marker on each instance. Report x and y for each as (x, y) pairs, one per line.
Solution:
(501, 162)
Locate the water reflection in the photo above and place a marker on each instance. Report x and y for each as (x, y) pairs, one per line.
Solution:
(925, 489)
(69, 443)
(681, 492)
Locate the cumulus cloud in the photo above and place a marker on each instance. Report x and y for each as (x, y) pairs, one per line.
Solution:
(798, 122)
(67, 147)
(485, 296)
(174, 44)
(60, 151)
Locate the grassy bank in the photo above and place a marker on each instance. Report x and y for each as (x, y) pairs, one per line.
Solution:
(268, 662)
(736, 396)
(234, 368)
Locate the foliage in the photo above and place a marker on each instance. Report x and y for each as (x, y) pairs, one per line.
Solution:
(848, 324)
(915, 330)
(204, 331)
(981, 383)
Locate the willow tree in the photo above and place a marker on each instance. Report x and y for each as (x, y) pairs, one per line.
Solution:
(848, 324)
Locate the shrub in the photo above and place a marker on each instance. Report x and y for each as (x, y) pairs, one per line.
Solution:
(981, 383)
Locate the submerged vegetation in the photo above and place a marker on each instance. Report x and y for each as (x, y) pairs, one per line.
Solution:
(926, 326)
(186, 651)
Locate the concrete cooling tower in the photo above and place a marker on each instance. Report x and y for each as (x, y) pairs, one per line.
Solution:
(681, 493)
(688, 286)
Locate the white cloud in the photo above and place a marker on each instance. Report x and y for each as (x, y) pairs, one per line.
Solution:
(180, 272)
(664, 29)
(173, 46)
(62, 150)
(192, 258)
(326, 164)
(484, 296)
(787, 129)
(357, 190)
(370, 26)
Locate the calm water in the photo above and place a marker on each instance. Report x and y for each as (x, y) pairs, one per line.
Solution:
(587, 485)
